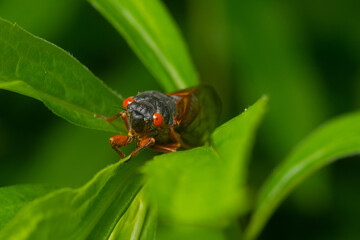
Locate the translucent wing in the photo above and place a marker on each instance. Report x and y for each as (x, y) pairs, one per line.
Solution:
(198, 111)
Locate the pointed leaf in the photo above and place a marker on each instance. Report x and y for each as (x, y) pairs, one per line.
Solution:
(36, 68)
(233, 140)
(201, 186)
(155, 38)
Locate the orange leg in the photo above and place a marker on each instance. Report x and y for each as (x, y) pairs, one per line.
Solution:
(116, 116)
(117, 141)
(143, 144)
(166, 148)
(123, 117)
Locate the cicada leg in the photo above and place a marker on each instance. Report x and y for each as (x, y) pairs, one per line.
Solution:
(143, 144)
(167, 148)
(117, 141)
(116, 116)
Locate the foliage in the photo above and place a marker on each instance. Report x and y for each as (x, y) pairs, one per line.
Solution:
(38, 69)
(156, 41)
(194, 194)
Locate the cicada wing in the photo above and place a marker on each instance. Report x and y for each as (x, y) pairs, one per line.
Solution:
(198, 111)
(184, 106)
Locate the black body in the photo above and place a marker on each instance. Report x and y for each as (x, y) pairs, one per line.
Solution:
(193, 113)
(140, 115)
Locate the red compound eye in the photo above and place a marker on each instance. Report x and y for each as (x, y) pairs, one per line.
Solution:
(127, 101)
(158, 119)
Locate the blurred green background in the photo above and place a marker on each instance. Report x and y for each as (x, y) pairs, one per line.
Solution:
(304, 55)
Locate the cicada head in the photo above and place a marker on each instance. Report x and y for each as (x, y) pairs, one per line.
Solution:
(138, 117)
(149, 112)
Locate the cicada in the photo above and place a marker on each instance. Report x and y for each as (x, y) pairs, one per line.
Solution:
(166, 122)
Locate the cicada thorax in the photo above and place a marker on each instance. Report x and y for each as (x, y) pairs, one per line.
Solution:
(198, 111)
(147, 105)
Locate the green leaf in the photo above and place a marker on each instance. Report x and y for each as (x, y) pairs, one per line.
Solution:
(334, 140)
(139, 221)
(13, 198)
(149, 228)
(198, 187)
(153, 35)
(180, 232)
(38, 69)
(233, 141)
(90, 212)
(186, 184)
